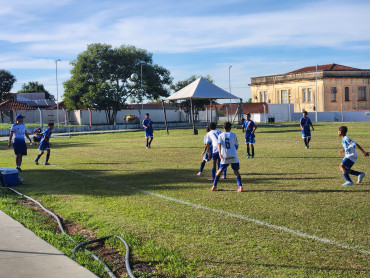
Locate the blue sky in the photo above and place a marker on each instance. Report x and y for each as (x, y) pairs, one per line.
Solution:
(256, 38)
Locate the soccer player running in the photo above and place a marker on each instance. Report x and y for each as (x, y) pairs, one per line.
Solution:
(350, 157)
(212, 149)
(249, 128)
(17, 133)
(227, 146)
(147, 124)
(45, 145)
(305, 124)
(205, 153)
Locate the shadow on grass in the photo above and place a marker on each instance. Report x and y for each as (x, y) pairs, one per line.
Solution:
(110, 182)
(277, 266)
(98, 182)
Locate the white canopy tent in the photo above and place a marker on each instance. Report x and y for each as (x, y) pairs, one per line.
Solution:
(200, 89)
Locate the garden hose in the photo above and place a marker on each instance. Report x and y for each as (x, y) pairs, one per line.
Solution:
(85, 243)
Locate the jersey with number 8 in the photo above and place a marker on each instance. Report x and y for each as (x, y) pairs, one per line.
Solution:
(229, 143)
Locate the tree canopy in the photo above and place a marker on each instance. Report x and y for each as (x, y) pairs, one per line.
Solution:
(7, 81)
(101, 79)
(34, 87)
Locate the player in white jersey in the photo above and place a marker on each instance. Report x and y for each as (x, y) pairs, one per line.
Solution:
(17, 133)
(205, 153)
(212, 140)
(350, 157)
(227, 146)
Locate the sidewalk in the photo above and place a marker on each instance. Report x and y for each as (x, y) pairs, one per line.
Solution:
(23, 254)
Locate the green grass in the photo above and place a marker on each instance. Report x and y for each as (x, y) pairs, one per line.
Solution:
(285, 185)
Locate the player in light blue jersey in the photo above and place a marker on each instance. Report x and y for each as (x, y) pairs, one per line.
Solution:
(350, 157)
(45, 144)
(249, 128)
(204, 153)
(305, 124)
(17, 133)
(212, 149)
(227, 148)
(148, 125)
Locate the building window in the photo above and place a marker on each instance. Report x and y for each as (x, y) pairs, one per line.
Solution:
(362, 93)
(333, 93)
(304, 94)
(346, 93)
(284, 96)
(263, 96)
(309, 95)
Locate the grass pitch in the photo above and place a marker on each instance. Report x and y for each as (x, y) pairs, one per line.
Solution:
(112, 184)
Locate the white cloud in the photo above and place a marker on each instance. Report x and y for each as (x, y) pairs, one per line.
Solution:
(328, 24)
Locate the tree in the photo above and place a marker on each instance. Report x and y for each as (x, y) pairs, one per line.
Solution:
(7, 81)
(101, 79)
(34, 87)
(198, 103)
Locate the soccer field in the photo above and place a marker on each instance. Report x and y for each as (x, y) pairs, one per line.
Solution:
(294, 220)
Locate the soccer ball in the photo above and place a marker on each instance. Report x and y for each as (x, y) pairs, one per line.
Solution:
(134, 76)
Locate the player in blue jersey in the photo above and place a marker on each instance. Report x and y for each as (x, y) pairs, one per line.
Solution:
(204, 153)
(227, 148)
(212, 149)
(305, 124)
(45, 144)
(350, 157)
(147, 124)
(249, 127)
(17, 133)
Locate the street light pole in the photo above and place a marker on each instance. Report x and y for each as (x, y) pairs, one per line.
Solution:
(316, 97)
(230, 93)
(141, 90)
(56, 79)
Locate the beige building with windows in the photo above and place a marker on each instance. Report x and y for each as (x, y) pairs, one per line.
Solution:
(337, 87)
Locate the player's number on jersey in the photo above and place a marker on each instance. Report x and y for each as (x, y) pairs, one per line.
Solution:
(227, 143)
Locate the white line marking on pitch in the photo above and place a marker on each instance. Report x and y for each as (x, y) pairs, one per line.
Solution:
(258, 222)
(252, 220)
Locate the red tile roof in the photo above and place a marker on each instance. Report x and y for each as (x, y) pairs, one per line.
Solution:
(256, 107)
(14, 105)
(328, 67)
(61, 105)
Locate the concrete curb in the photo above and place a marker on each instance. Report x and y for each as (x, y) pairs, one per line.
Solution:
(23, 254)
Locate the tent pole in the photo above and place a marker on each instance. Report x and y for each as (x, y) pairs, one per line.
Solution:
(192, 115)
(210, 107)
(231, 113)
(165, 117)
(241, 111)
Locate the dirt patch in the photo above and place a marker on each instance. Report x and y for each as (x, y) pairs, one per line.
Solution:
(110, 256)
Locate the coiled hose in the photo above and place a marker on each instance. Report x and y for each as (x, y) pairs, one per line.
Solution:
(85, 243)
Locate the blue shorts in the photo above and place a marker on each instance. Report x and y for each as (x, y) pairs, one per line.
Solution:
(205, 157)
(148, 133)
(347, 163)
(215, 156)
(20, 148)
(250, 138)
(306, 133)
(44, 146)
(234, 166)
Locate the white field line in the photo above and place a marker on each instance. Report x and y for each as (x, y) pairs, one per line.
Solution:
(252, 220)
